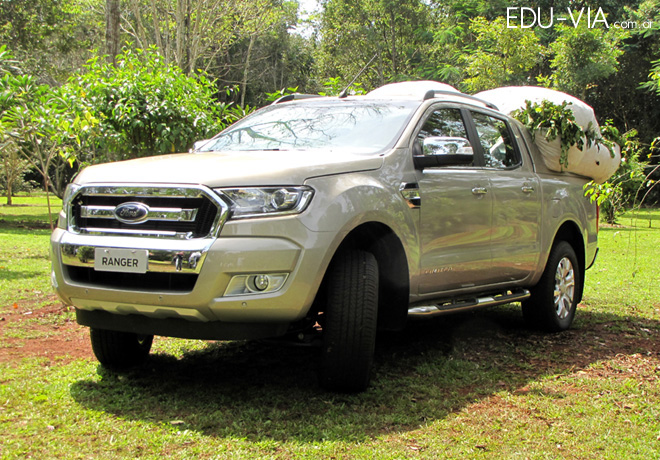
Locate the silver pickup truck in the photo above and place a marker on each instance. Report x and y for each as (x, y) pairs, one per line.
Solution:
(325, 219)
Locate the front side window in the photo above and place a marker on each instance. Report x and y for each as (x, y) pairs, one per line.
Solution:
(444, 133)
(495, 139)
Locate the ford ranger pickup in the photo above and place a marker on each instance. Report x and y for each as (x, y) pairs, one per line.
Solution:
(325, 217)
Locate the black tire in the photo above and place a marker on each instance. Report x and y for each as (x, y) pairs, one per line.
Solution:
(120, 350)
(554, 299)
(349, 322)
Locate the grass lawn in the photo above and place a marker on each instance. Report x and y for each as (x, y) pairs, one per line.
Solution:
(24, 259)
(475, 385)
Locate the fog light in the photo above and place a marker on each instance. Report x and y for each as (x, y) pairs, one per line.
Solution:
(261, 282)
(255, 284)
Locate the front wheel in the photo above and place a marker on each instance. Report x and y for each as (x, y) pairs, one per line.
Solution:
(349, 322)
(120, 350)
(554, 299)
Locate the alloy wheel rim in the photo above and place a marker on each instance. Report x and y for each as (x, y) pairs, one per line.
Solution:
(564, 288)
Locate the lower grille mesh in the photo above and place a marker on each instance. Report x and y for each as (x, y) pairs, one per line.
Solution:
(161, 282)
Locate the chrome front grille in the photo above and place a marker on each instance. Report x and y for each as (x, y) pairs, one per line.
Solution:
(161, 214)
(177, 212)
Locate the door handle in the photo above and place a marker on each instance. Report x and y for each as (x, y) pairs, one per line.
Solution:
(410, 193)
(479, 190)
(527, 188)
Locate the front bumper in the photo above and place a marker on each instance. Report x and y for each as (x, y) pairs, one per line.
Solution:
(164, 256)
(166, 291)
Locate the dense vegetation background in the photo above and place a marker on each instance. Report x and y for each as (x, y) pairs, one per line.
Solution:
(86, 81)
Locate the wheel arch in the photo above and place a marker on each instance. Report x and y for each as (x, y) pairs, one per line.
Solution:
(394, 278)
(570, 232)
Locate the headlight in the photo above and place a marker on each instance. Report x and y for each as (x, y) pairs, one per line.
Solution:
(269, 201)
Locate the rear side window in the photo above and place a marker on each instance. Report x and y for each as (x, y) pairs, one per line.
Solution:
(495, 139)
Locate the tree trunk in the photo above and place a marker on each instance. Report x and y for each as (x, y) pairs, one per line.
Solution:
(140, 32)
(112, 16)
(395, 68)
(50, 212)
(157, 28)
(246, 71)
(9, 172)
(183, 34)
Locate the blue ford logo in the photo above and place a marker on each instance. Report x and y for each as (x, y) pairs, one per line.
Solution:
(132, 213)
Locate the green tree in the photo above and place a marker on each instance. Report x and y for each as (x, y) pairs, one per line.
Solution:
(649, 12)
(50, 38)
(653, 84)
(584, 56)
(356, 30)
(32, 123)
(144, 106)
(195, 34)
(622, 96)
(270, 59)
(629, 183)
(628, 96)
(11, 164)
(263, 20)
(503, 56)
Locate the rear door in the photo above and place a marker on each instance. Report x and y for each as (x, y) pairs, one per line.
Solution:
(515, 191)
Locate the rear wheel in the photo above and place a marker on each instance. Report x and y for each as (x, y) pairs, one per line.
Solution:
(120, 350)
(349, 322)
(555, 298)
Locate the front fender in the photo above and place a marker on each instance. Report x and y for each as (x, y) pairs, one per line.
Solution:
(345, 202)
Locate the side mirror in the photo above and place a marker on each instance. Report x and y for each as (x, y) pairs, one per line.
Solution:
(442, 151)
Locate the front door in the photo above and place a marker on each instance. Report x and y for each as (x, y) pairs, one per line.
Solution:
(456, 210)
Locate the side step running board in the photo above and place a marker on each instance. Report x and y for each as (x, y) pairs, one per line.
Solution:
(468, 304)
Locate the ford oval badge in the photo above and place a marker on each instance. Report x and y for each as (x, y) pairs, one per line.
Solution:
(132, 213)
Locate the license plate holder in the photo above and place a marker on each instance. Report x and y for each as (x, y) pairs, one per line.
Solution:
(121, 260)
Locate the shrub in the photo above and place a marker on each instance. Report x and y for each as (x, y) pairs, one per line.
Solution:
(146, 106)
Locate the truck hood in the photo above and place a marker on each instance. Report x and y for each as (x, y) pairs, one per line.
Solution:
(230, 169)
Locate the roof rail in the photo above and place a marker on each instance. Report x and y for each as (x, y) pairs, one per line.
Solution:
(430, 94)
(295, 96)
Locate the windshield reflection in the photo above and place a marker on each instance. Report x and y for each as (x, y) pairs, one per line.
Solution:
(358, 126)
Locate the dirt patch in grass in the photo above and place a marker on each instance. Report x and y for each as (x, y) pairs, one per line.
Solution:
(49, 331)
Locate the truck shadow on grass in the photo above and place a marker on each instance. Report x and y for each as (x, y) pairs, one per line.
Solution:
(261, 391)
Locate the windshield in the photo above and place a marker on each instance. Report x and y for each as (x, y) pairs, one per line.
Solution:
(355, 126)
